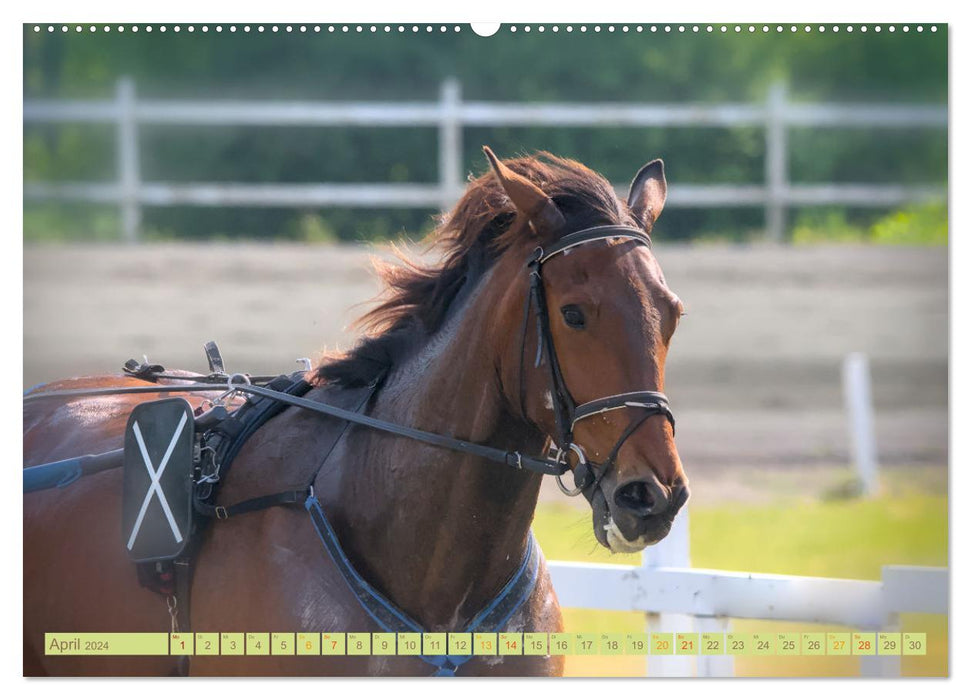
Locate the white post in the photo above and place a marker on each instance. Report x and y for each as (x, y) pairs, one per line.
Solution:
(722, 665)
(859, 414)
(776, 164)
(673, 551)
(883, 666)
(450, 143)
(127, 146)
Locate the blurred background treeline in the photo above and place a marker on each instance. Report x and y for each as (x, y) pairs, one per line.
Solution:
(539, 67)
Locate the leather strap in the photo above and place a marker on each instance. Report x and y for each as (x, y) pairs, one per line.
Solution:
(511, 459)
(597, 233)
(215, 358)
(143, 370)
(653, 401)
(283, 498)
(563, 404)
(117, 390)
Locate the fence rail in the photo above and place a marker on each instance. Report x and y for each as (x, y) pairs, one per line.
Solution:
(854, 603)
(450, 114)
(678, 598)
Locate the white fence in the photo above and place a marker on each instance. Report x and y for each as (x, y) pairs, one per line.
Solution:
(678, 598)
(450, 114)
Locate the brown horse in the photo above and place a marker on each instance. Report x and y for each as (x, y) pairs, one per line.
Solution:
(436, 532)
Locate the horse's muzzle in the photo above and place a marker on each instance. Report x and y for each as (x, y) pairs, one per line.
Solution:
(635, 514)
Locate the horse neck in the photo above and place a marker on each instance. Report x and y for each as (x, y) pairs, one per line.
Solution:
(439, 531)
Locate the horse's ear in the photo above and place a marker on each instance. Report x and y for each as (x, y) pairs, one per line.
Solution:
(648, 192)
(529, 199)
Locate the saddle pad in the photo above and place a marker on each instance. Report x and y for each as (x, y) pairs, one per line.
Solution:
(157, 484)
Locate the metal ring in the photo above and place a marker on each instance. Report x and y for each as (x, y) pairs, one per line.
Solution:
(229, 380)
(232, 388)
(582, 459)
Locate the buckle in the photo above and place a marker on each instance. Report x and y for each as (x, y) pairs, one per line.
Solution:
(536, 257)
(221, 513)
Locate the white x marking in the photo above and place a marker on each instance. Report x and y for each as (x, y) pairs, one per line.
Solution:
(155, 476)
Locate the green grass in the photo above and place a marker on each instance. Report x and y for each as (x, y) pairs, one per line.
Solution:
(850, 539)
(843, 539)
(916, 225)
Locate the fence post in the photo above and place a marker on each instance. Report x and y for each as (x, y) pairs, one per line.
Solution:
(450, 142)
(715, 666)
(859, 416)
(776, 164)
(128, 165)
(673, 551)
(877, 666)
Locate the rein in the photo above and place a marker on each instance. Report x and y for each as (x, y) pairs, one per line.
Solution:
(514, 459)
(566, 411)
(511, 459)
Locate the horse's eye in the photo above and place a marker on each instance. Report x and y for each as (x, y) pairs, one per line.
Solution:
(573, 316)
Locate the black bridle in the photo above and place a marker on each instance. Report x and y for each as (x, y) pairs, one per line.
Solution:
(566, 412)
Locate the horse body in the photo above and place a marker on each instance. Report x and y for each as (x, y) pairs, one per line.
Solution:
(76, 575)
(267, 571)
(437, 532)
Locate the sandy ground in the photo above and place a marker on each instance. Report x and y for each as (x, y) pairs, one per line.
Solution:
(753, 374)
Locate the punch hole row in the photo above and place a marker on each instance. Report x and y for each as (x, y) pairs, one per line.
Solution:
(258, 28)
(428, 28)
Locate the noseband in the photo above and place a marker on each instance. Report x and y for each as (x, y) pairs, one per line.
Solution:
(565, 410)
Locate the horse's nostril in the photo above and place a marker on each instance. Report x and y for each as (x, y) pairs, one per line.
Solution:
(639, 498)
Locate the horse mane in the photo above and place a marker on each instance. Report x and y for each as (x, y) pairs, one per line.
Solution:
(480, 228)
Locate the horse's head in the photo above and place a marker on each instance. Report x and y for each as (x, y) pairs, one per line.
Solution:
(597, 327)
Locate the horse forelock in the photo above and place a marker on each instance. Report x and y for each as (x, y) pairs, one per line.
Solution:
(482, 226)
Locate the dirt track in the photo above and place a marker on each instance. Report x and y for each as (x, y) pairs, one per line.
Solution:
(754, 373)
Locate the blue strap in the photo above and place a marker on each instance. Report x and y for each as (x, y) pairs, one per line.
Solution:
(51, 475)
(494, 616)
(387, 616)
(390, 618)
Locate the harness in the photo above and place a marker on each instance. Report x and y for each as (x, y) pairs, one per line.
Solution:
(390, 618)
(220, 436)
(224, 441)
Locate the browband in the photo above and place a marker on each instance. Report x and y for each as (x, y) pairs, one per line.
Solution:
(593, 234)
